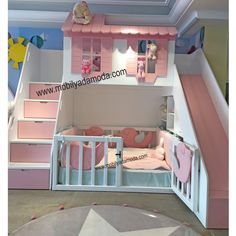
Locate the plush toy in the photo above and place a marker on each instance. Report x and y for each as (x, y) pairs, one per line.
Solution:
(86, 66)
(97, 63)
(141, 71)
(81, 13)
(152, 51)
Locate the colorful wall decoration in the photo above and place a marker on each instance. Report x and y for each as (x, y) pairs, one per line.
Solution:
(43, 38)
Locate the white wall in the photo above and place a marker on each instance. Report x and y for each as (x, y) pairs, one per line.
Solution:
(66, 110)
(51, 65)
(117, 105)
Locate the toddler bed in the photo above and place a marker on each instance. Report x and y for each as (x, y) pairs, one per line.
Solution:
(139, 163)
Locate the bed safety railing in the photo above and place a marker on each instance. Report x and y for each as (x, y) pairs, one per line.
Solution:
(62, 146)
(187, 190)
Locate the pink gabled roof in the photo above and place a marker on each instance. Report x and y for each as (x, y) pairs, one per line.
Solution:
(98, 26)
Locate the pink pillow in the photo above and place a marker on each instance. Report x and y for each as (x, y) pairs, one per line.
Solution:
(129, 134)
(94, 131)
(71, 131)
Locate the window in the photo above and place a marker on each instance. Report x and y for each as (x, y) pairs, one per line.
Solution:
(147, 50)
(92, 52)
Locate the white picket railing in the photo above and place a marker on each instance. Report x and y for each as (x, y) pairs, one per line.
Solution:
(62, 151)
(61, 142)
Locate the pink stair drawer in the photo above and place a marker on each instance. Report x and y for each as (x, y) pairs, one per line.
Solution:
(28, 179)
(36, 129)
(36, 91)
(40, 109)
(27, 152)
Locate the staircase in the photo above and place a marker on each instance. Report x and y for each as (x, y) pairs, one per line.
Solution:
(30, 148)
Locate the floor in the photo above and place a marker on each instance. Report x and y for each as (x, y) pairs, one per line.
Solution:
(24, 204)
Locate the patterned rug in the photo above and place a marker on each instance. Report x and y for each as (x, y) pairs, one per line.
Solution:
(104, 220)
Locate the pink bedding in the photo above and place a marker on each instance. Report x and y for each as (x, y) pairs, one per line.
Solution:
(147, 163)
(154, 158)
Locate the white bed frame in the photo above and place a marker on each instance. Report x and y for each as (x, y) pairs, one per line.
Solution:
(67, 139)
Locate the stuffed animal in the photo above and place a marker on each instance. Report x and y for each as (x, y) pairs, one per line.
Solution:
(81, 13)
(141, 71)
(86, 66)
(152, 51)
(97, 63)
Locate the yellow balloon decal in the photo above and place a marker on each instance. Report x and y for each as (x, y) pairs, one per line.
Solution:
(16, 51)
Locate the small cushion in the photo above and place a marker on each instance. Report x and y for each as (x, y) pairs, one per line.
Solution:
(70, 131)
(94, 131)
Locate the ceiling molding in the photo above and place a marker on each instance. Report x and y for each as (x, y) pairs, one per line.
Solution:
(194, 20)
(109, 2)
(183, 15)
(188, 23)
(36, 17)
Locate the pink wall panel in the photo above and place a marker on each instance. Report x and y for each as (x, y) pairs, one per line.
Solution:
(54, 95)
(76, 55)
(106, 53)
(28, 179)
(40, 109)
(132, 52)
(31, 153)
(36, 129)
(162, 58)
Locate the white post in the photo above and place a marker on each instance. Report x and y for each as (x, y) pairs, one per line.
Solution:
(105, 163)
(119, 159)
(93, 163)
(195, 179)
(55, 163)
(68, 163)
(81, 154)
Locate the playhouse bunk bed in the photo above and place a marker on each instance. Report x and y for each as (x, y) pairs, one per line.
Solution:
(101, 127)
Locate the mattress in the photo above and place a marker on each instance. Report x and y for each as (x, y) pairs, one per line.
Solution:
(141, 178)
(133, 158)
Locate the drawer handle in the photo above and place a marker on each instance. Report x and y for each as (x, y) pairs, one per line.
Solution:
(43, 102)
(38, 122)
(32, 144)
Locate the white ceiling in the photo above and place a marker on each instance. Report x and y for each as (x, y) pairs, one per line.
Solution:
(186, 15)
